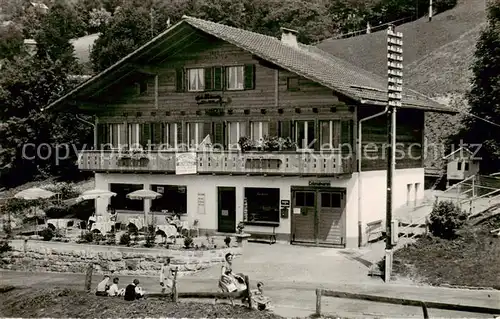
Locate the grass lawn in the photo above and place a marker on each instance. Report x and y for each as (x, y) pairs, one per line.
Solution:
(472, 260)
(67, 303)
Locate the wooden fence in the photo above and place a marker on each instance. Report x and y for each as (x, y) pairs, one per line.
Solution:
(402, 302)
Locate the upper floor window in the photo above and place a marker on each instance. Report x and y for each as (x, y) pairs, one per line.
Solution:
(196, 79)
(329, 137)
(459, 166)
(236, 130)
(292, 83)
(134, 135)
(234, 77)
(259, 130)
(305, 136)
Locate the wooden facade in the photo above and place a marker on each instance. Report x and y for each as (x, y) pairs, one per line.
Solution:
(409, 140)
(154, 106)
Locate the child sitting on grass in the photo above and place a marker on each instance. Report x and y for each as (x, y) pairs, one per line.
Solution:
(259, 301)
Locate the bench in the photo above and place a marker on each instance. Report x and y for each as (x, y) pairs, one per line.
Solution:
(257, 236)
(374, 230)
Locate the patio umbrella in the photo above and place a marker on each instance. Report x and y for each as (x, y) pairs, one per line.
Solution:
(144, 194)
(32, 194)
(95, 193)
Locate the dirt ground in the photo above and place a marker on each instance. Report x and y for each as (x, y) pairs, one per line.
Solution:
(68, 303)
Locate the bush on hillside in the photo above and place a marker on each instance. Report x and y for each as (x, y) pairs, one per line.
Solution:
(125, 239)
(445, 219)
(4, 247)
(47, 234)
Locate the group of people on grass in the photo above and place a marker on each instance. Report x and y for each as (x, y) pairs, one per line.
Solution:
(228, 282)
(133, 291)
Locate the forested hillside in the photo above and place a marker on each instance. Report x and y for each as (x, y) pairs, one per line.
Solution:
(27, 82)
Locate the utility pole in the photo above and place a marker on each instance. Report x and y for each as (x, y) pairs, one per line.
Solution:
(430, 10)
(394, 89)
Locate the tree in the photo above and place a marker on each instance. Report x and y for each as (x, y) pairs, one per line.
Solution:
(27, 84)
(128, 29)
(484, 96)
(56, 29)
(11, 41)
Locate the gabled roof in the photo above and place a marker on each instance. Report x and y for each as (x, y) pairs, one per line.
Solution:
(461, 149)
(307, 61)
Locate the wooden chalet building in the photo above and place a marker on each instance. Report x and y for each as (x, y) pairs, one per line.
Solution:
(199, 79)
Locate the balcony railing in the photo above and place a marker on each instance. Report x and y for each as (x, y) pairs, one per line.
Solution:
(220, 162)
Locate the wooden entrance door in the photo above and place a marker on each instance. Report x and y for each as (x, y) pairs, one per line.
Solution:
(303, 229)
(330, 221)
(318, 215)
(226, 210)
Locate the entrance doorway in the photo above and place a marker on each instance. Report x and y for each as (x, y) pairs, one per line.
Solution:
(226, 209)
(318, 215)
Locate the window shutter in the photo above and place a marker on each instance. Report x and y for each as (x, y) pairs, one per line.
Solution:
(218, 78)
(179, 80)
(285, 129)
(249, 75)
(346, 134)
(180, 135)
(273, 129)
(102, 135)
(145, 134)
(208, 79)
(219, 134)
(157, 134)
(123, 135)
(207, 130)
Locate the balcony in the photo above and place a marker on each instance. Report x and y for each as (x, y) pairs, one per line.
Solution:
(219, 162)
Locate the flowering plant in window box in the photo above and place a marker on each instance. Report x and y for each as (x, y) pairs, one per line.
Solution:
(246, 144)
(274, 143)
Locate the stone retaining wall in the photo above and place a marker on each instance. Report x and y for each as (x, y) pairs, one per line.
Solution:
(65, 257)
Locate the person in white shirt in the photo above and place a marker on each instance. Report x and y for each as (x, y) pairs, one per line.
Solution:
(113, 289)
(102, 287)
(166, 276)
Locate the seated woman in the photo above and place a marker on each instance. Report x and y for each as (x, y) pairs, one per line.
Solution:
(102, 287)
(229, 281)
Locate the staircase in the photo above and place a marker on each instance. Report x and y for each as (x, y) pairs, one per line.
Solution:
(476, 195)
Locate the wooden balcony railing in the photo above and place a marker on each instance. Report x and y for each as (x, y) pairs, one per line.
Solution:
(220, 162)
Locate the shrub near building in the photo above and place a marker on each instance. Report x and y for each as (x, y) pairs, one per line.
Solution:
(445, 219)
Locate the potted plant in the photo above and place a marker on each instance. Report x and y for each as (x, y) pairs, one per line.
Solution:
(241, 226)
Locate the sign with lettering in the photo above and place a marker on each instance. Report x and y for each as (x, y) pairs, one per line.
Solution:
(320, 183)
(185, 163)
(201, 203)
(285, 203)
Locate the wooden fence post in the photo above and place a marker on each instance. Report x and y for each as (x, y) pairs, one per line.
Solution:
(424, 309)
(88, 277)
(318, 302)
(174, 286)
(247, 292)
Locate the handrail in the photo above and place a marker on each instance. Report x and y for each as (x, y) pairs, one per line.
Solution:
(460, 183)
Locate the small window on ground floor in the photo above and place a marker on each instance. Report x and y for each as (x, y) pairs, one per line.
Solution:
(173, 200)
(263, 204)
(121, 202)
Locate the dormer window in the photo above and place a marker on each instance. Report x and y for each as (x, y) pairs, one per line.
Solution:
(196, 80)
(234, 77)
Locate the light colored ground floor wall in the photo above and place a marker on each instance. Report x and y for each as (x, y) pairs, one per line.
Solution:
(373, 196)
(408, 188)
